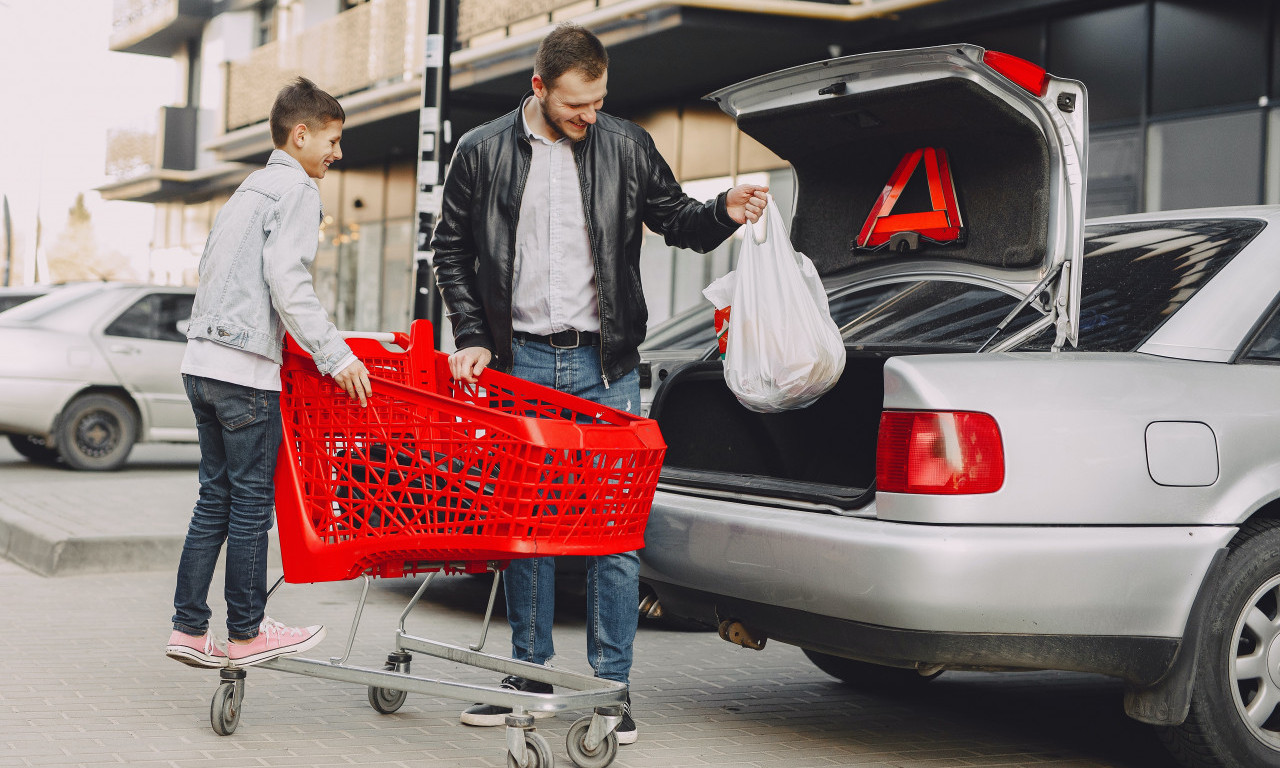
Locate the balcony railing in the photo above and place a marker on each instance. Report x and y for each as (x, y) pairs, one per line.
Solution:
(168, 144)
(373, 44)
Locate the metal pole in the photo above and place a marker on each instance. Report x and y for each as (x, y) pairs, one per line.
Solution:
(8, 243)
(434, 144)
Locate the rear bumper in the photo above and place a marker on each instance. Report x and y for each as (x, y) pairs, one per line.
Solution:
(1094, 582)
(29, 406)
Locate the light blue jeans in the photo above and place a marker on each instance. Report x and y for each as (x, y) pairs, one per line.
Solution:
(613, 581)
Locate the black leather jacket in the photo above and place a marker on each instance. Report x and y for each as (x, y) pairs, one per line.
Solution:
(625, 184)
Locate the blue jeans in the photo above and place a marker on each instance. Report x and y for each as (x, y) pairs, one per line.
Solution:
(240, 432)
(613, 581)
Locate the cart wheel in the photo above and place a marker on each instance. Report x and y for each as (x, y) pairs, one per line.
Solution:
(386, 700)
(576, 743)
(537, 750)
(224, 711)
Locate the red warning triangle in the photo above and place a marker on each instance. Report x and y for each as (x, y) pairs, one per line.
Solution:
(940, 225)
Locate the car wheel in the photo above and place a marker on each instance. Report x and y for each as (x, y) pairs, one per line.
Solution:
(34, 449)
(96, 432)
(1235, 700)
(869, 677)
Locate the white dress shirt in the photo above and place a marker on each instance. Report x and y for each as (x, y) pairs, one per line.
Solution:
(554, 285)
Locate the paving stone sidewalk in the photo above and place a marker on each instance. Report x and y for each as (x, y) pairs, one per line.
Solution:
(84, 681)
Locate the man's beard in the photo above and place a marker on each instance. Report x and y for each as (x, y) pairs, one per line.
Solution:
(555, 127)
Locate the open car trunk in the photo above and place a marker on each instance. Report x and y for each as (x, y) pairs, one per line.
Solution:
(824, 454)
(888, 148)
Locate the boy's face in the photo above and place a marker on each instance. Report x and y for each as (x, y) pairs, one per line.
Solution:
(317, 149)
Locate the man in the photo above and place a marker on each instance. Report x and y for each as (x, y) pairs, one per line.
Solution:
(537, 257)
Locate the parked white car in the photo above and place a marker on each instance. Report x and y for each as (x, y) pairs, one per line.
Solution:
(1053, 446)
(93, 368)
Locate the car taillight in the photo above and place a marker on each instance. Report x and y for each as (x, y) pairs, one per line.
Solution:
(1031, 77)
(943, 452)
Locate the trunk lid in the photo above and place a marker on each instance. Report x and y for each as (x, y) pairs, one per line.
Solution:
(945, 160)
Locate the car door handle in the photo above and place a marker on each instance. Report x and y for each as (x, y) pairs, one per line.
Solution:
(124, 349)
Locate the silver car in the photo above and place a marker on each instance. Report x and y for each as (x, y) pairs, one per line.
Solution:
(91, 369)
(1054, 446)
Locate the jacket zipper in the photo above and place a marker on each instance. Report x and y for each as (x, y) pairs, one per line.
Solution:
(515, 223)
(595, 263)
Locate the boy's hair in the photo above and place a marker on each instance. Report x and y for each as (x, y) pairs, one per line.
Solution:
(569, 46)
(302, 102)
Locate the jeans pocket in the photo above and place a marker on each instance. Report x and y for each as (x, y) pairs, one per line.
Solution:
(235, 405)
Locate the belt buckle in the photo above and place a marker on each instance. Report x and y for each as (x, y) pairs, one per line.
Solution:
(577, 339)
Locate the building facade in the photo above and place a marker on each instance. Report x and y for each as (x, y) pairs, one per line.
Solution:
(1179, 91)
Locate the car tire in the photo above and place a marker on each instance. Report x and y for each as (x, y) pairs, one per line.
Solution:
(1239, 662)
(34, 449)
(96, 432)
(874, 678)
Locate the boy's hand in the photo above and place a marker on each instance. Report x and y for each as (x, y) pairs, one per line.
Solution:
(466, 364)
(354, 380)
(746, 202)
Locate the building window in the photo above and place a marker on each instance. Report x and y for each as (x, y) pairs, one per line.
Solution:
(265, 29)
(1115, 173)
(1205, 161)
(1208, 55)
(1107, 51)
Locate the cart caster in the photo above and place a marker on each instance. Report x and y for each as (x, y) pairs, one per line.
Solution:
(388, 700)
(224, 710)
(537, 753)
(606, 748)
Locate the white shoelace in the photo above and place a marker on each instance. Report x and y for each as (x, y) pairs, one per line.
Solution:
(274, 629)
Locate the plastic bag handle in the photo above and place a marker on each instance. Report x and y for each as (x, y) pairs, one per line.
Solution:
(760, 228)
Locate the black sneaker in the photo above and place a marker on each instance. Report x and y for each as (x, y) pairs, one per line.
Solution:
(627, 733)
(491, 714)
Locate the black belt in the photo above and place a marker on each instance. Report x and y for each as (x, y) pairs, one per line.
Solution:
(569, 339)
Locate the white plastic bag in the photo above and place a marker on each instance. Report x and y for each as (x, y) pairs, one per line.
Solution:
(784, 351)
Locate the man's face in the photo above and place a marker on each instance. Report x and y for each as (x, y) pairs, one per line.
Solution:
(320, 148)
(570, 106)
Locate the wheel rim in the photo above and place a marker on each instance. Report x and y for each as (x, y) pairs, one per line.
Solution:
(1255, 664)
(98, 434)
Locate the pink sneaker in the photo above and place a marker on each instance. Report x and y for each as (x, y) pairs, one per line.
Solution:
(274, 639)
(195, 651)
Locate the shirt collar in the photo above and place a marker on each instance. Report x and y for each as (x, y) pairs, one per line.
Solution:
(529, 132)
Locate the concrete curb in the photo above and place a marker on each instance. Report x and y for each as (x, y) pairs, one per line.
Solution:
(49, 551)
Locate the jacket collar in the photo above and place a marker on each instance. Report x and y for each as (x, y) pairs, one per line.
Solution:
(280, 157)
(517, 125)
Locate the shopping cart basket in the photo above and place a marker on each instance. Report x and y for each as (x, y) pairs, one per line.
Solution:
(438, 475)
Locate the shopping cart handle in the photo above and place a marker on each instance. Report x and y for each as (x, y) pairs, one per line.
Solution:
(383, 336)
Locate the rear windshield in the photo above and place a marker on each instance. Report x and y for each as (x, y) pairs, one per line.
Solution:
(39, 308)
(1136, 275)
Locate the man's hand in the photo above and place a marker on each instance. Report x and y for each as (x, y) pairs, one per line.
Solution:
(354, 380)
(746, 202)
(466, 364)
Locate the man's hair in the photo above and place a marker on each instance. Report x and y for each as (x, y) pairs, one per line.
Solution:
(569, 46)
(302, 102)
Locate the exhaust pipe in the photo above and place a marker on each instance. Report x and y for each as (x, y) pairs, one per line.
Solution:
(740, 634)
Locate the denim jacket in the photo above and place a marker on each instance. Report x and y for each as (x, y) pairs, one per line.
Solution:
(255, 278)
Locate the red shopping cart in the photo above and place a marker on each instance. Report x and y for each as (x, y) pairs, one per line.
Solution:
(438, 475)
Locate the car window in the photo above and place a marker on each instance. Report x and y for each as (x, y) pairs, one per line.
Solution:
(691, 329)
(153, 317)
(1136, 275)
(925, 313)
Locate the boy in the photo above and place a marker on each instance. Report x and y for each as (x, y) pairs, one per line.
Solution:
(254, 285)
